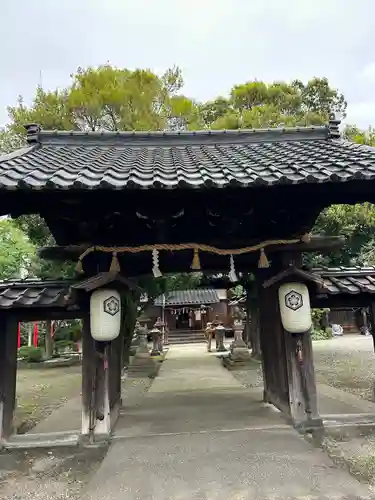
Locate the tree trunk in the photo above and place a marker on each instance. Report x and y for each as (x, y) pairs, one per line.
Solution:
(256, 352)
(48, 339)
(30, 335)
(130, 316)
(247, 329)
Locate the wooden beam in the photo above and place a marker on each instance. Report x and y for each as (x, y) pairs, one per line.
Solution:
(8, 374)
(316, 244)
(42, 313)
(342, 301)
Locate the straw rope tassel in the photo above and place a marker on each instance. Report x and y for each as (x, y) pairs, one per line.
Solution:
(115, 264)
(196, 263)
(306, 238)
(155, 264)
(263, 261)
(79, 268)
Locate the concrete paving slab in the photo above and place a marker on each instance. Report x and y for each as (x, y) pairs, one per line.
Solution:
(191, 368)
(199, 434)
(197, 411)
(256, 465)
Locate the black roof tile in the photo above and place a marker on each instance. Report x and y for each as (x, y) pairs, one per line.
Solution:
(33, 293)
(339, 281)
(347, 280)
(119, 160)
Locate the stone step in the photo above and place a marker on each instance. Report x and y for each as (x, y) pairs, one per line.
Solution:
(187, 340)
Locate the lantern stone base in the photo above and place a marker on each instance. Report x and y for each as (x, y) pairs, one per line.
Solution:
(239, 355)
(238, 358)
(142, 352)
(221, 348)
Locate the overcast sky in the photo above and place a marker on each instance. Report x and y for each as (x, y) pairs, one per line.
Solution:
(217, 43)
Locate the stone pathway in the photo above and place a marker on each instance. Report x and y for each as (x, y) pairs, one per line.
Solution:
(200, 434)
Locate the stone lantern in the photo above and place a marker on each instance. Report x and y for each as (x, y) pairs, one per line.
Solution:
(219, 335)
(156, 336)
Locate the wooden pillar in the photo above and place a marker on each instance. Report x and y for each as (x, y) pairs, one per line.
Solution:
(302, 385)
(88, 379)
(288, 367)
(372, 323)
(8, 373)
(275, 376)
(256, 351)
(102, 415)
(101, 384)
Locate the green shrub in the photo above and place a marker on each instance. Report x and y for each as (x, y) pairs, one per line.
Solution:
(65, 345)
(70, 332)
(31, 354)
(320, 334)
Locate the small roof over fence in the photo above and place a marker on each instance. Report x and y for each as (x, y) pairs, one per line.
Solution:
(339, 281)
(33, 293)
(45, 294)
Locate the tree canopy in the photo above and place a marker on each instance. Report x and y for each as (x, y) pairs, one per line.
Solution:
(110, 98)
(17, 253)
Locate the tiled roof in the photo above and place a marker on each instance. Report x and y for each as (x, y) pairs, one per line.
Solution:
(339, 280)
(33, 293)
(121, 160)
(347, 280)
(189, 297)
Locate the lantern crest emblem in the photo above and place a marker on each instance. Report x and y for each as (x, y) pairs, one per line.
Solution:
(111, 305)
(293, 300)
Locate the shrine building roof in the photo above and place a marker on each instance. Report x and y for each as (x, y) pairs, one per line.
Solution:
(200, 296)
(59, 160)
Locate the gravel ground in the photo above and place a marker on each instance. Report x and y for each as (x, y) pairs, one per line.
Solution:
(354, 453)
(347, 363)
(41, 391)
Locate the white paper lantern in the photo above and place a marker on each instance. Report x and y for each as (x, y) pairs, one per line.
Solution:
(295, 310)
(105, 314)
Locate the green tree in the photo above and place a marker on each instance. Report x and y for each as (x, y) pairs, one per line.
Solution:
(256, 104)
(38, 233)
(104, 98)
(17, 253)
(211, 111)
(355, 134)
(109, 98)
(356, 223)
(318, 96)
